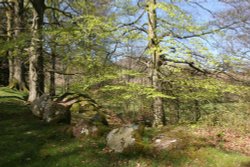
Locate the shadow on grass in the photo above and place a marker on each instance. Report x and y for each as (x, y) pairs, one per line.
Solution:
(27, 141)
(22, 135)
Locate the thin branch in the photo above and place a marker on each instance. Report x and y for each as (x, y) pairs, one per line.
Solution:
(204, 33)
(204, 8)
(191, 64)
(63, 73)
(174, 35)
(133, 22)
(60, 11)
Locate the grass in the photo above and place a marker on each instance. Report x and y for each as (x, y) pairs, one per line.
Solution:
(12, 94)
(28, 142)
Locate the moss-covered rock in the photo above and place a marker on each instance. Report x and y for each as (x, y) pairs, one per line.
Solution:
(50, 111)
(75, 108)
(87, 117)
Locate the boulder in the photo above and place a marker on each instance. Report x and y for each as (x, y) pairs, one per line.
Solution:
(38, 105)
(78, 109)
(54, 112)
(124, 137)
(87, 117)
(82, 129)
(164, 142)
(48, 110)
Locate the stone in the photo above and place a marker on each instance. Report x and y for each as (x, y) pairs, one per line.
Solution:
(82, 129)
(49, 111)
(75, 108)
(164, 142)
(38, 105)
(54, 112)
(124, 137)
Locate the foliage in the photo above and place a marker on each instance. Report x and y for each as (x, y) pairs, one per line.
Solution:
(9, 93)
(220, 113)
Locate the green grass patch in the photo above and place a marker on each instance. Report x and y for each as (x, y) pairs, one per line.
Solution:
(28, 142)
(7, 94)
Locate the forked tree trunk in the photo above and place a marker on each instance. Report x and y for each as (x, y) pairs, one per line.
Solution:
(158, 110)
(36, 73)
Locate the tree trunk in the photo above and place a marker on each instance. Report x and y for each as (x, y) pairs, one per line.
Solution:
(18, 79)
(36, 73)
(51, 16)
(11, 67)
(158, 110)
(197, 113)
(9, 23)
(52, 88)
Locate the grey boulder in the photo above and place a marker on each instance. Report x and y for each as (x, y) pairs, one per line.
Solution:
(39, 104)
(49, 111)
(124, 137)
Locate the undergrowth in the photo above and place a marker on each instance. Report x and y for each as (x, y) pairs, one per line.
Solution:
(28, 142)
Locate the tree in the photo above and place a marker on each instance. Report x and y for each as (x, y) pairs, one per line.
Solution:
(173, 41)
(236, 41)
(36, 60)
(154, 48)
(18, 73)
(9, 30)
(15, 25)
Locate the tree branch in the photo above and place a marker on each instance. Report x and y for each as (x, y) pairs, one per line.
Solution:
(60, 11)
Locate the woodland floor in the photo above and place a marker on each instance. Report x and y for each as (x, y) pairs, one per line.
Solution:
(27, 142)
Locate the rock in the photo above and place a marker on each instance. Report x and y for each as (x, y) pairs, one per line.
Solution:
(48, 110)
(82, 129)
(87, 118)
(75, 108)
(54, 112)
(124, 137)
(92, 124)
(163, 142)
(38, 105)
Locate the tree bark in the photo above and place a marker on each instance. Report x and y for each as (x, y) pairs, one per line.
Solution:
(18, 79)
(158, 110)
(52, 88)
(36, 72)
(197, 113)
(15, 25)
(9, 28)
(51, 16)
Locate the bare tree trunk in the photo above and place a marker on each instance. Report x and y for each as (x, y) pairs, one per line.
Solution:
(18, 80)
(51, 15)
(158, 110)
(14, 26)
(36, 73)
(52, 88)
(10, 17)
(11, 68)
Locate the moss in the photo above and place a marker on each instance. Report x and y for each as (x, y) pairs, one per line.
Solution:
(75, 108)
